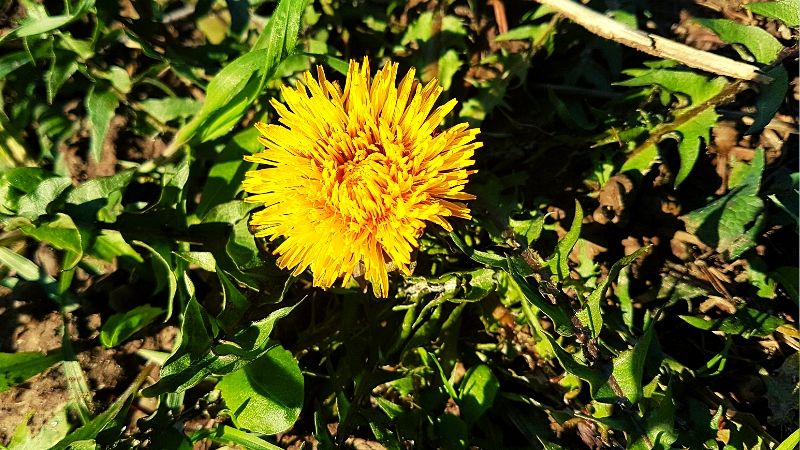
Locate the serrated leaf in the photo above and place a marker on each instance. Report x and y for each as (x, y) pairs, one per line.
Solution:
(100, 105)
(119, 327)
(732, 222)
(16, 368)
(697, 87)
(559, 260)
(787, 11)
(559, 317)
(745, 322)
(591, 315)
(762, 45)
(627, 372)
(266, 396)
(770, 98)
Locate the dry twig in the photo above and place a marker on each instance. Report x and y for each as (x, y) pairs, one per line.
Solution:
(652, 44)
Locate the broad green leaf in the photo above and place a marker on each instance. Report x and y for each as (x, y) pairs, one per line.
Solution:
(16, 368)
(732, 222)
(239, 83)
(24, 267)
(110, 244)
(266, 396)
(34, 204)
(62, 234)
(770, 98)
(26, 179)
(697, 87)
(745, 322)
(763, 46)
(788, 277)
(592, 315)
(168, 109)
(559, 260)
(100, 188)
(787, 11)
(100, 105)
(119, 327)
(477, 392)
(452, 432)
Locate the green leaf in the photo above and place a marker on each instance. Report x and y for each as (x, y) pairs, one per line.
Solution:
(591, 315)
(100, 106)
(164, 272)
(762, 45)
(732, 222)
(239, 83)
(787, 11)
(559, 260)
(16, 368)
(627, 372)
(62, 234)
(51, 432)
(745, 322)
(107, 417)
(34, 204)
(119, 327)
(63, 66)
(254, 338)
(24, 267)
(794, 439)
(234, 303)
(110, 244)
(26, 179)
(485, 258)
(190, 362)
(100, 188)
(697, 87)
(226, 175)
(477, 392)
(229, 435)
(168, 109)
(559, 317)
(267, 395)
(38, 25)
(770, 98)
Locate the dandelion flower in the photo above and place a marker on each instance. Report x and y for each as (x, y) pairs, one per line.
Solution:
(353, 176)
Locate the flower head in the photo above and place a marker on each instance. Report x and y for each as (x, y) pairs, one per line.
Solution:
(355, 174)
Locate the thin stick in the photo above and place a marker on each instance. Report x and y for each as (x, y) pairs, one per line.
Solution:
(652, 44)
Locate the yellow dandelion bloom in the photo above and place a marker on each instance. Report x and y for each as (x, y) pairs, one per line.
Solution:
(354, 175)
